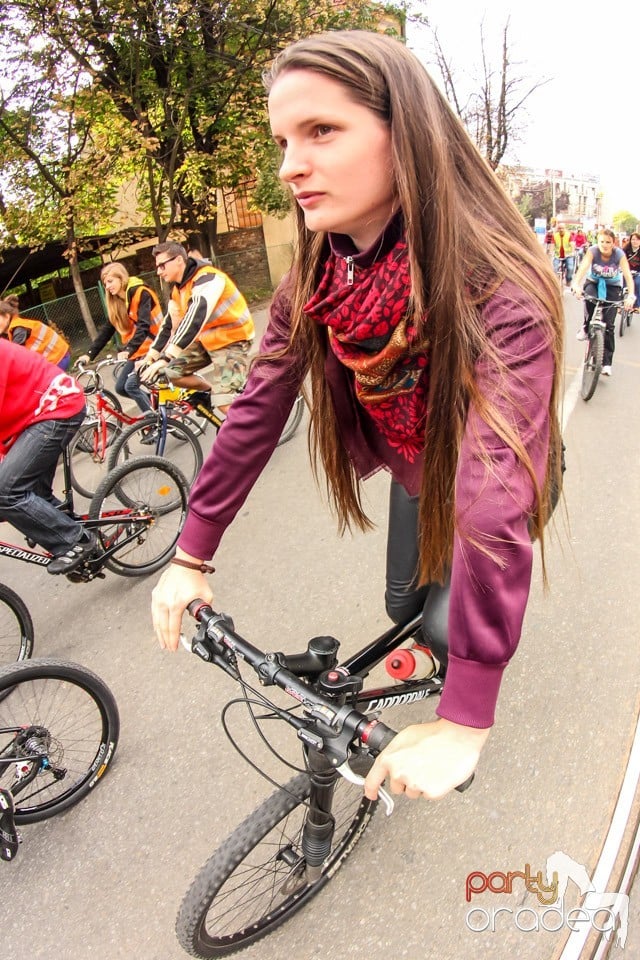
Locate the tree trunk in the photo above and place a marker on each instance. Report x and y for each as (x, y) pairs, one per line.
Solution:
(77, 285)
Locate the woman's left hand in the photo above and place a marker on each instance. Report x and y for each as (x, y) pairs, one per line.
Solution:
(427, 760)
(629, 301)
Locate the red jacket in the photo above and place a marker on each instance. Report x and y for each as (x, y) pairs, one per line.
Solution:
(32, 390)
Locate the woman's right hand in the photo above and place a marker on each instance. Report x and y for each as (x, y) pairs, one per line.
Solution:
(85, 358)
(175, 590)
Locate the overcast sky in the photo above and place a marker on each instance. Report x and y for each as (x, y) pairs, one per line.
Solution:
(583, 120)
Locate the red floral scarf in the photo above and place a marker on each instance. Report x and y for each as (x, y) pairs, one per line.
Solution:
(370, 334)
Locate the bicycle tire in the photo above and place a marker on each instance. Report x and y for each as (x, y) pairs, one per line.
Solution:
(16, 627)
(259, 878)
(293, 420)
(158, 493)
(623, 321)
(88, 456)
(113, 401)
(76, 727)
(181, 447)
(592, 364)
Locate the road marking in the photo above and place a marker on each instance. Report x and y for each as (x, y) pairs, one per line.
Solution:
(570, 398)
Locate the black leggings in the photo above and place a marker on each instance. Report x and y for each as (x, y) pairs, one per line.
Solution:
(403, 599)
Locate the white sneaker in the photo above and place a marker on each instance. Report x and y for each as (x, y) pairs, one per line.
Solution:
(606, 371)
(581, 335)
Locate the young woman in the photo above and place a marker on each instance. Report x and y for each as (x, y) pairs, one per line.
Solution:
(135, 314)
(631, 251)
(600, 275)
(33, 334)
(449, 381)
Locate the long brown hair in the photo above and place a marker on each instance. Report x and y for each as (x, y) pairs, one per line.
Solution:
(451, 201)
(117, 306)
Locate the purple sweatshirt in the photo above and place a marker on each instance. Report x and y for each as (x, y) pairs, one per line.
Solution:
(493, 501)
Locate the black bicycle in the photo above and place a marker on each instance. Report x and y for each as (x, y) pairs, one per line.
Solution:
(594, 350)
(59, 728)
(137, 513)
(289, 848)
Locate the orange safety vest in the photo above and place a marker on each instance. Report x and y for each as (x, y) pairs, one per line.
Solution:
(229, 321)
(135, 289)
(42, 339)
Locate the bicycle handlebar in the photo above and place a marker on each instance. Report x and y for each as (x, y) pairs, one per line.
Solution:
(331, 726)
(608, 303)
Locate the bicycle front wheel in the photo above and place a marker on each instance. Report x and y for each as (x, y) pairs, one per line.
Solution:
(59, 728)
(592, 364)
(253, 883)
(16, 627)
(141, 507)
(179, 444)
(88, 453)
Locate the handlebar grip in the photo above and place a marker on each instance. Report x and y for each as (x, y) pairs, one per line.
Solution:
(377, 735)
(198, 607)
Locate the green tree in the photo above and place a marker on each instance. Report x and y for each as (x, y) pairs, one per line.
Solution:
(625, 222)
(186, 77)
(59, 165)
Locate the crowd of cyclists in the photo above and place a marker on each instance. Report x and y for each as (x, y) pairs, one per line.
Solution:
(597, 264)
(207, 324)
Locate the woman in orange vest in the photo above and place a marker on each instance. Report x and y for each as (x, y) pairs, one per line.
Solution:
(134, 313)
(33, 334)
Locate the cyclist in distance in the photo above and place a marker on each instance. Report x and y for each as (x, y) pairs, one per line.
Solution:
(134, 313)
(33, 334)
(563, 249)
(631, 251)
(207, 323)
(600, 275)
(447, 379)
(40, 410)
(580, 243)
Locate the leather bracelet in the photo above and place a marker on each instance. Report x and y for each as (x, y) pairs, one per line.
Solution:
(201, 567)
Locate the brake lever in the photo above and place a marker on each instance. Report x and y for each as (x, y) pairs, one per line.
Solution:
(345, 770)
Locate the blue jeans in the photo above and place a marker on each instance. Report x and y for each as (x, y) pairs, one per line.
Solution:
(27, 500)
(128, 385)
(636, 287)
(569, 263)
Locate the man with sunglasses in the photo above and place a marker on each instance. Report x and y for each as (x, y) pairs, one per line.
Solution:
(207, 323)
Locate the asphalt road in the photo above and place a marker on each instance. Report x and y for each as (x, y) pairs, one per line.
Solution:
(104, 881)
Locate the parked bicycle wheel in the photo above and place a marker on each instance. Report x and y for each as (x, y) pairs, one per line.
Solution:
(293, 421)
(254, 881)
(179, 445)
(16, 627)
(144, 502)
(59, 729)
(592, 364)
(89, 452)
